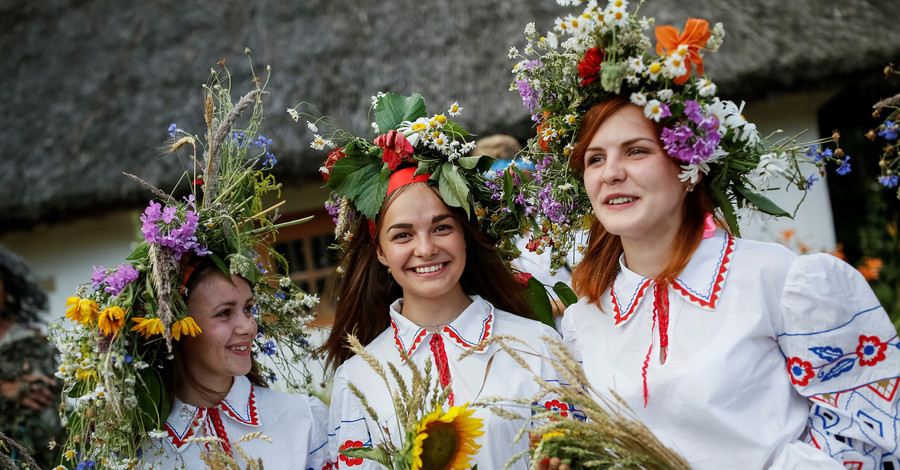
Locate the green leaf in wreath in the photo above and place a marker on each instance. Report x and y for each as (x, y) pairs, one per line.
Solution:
(371, 453)
(153, 401)
(469, 163)
(761, 202)
(363, 180)
(140, 253)
(727, 209)
(565, 293)
(540, 302)
(453, 187)
(394, 109)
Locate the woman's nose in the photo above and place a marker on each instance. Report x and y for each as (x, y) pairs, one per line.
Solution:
(613, 170)
(425, 246)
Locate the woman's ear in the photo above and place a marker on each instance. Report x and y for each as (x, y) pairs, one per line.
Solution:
(380, 254)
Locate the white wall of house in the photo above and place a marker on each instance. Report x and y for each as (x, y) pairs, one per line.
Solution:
(62, 255)
(795, 114)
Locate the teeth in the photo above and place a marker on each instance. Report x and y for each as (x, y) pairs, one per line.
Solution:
(239, 348)
(620, 200)
(429, 269)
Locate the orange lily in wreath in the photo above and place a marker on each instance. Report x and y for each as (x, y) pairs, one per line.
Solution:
(696, 34)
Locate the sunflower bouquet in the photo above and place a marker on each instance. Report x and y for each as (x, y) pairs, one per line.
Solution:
(604, 433)
(602, 51)
(434, 438)
(120, 327)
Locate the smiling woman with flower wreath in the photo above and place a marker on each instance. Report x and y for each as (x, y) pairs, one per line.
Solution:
(734, 353)
(421, 281)
(161, 350)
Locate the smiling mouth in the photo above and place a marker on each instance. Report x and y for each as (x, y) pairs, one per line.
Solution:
(429, 269)
(620, 200)
(238, 348)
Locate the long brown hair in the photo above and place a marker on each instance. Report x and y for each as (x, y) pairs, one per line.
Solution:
(597, 270)
(365, 290)
(176, 372)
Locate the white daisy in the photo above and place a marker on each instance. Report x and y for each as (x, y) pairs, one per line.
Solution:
(455, 110)
(318, 142)
(570, 119)
(674, 66)
(633, 80)
(414, 131)
(653, 110)
(312, 126)
(655, 69)
(638, 98)
(513, 52)
(294, 114)
(636, 64)
(706, 87)
(665, 95)
(552, 41)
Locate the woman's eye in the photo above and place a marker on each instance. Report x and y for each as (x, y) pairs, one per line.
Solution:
(224, 313)
(594, 159)
(443, 227)
(637, 151)
(399, 236)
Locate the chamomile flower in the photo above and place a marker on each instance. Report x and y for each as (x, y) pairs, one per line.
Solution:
(311, 126)
(294, 114)
(318, 142)
(638, 98)
(513, 52)
(706, 88)
(455, 110)
(570, 119)
(655, 110)
(636, 65)
(654, 69)
(674, 66)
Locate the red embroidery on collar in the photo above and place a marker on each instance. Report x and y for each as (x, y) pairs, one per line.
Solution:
(488, 323)
(251, 406)
(720, 280)
(399, 343)
(179, 441)
(619, 317)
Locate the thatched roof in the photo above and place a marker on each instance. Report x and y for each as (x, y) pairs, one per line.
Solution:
(90, 87)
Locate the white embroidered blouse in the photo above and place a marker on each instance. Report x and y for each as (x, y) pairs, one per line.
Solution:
(295, 423)
(772, 360)
(486, 373)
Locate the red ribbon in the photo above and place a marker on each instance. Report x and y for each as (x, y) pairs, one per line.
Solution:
(213, 413)
(440, 357)
(661, 312)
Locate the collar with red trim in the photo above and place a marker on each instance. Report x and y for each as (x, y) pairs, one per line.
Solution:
(187, 421)
(700, 283)
(474, 325)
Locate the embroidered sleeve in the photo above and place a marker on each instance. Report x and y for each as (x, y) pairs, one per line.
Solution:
(843, 354)
(318, 436)
(347, 426)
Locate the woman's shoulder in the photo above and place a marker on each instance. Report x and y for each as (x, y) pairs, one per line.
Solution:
(286, 402)
(508, 323)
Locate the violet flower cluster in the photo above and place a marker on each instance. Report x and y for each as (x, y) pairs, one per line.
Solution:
(113, 281)
(692, 144)
(174, 227)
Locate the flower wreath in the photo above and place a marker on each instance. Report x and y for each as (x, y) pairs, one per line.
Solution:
(603, 52)
(126, 319)
(359, 170)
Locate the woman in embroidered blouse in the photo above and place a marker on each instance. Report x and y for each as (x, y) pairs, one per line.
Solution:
(431, 284)
(217, 391)
(733, 352)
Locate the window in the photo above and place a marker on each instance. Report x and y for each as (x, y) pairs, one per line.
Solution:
(312, 263)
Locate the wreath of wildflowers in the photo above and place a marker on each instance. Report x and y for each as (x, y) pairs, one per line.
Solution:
(120, 327)
(601, 52)
(358, 170)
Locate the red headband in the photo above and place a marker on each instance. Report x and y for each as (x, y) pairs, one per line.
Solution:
(399, 179)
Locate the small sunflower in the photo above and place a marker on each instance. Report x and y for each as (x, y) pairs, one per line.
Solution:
(445, 441)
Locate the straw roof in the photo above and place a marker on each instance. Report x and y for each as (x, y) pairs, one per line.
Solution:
(90, 87)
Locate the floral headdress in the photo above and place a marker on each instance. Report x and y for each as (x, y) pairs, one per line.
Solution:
(127, 319)
(359, 170)
(603, 52)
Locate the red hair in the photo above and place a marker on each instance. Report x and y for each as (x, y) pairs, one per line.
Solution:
(596, 272)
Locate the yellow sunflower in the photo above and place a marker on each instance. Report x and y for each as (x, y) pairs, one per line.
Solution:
(186, 325)
(446, 441)
(111, 320)
(81, 310)
(148, 326)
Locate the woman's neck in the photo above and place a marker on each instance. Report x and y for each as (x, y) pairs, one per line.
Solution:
(425, 311)
(648, 257)
(202, 399)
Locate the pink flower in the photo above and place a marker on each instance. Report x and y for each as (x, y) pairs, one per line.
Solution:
(870, 350)
(395, 146)
(800, 371)
(589, 68)
(523, 278)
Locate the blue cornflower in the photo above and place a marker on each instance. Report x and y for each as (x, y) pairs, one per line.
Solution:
(889, 181)
(270, 160)
(269, 348)
(262, 141)
(890, 131)
(812, 151)
(174, 130)
(272, 378)
(255, 309)
(85, 464)
(845, 166)
(809, 181)
(261, 268)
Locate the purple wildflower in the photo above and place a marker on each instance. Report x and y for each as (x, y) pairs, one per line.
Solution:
(812, 179)
(529, 97)
(173, 227)
(262, 141)
(692, 144)
(121, 277)
(98, 276)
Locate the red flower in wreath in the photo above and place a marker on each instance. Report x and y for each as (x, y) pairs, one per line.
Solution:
(870, 350)
(351, 461)
(556, 405)
(334, 156)
(523, 278)
(395, 146)
(800, 371)
(589, 67)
